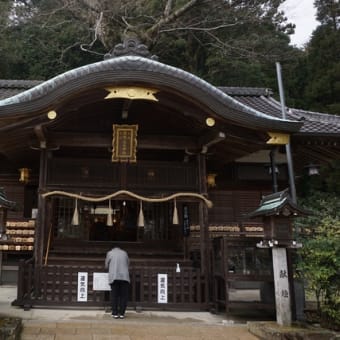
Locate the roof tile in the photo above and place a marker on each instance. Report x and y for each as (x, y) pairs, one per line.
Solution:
(259, 99)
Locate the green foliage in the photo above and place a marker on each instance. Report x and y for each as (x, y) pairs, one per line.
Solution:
(327, 182)
(213, 39)
(312, 80)
(38, 45)
(328, 12)
(319, 261)
(228, 43)
(323, 78)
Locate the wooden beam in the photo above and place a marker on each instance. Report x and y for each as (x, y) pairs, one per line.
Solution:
(210, 139)
(320, 155)
(125, 109)
(39, 132)
(167, 142)
(105, 141)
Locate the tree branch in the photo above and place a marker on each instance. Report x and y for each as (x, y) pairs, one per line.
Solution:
(168, 8)
(150, 33)
(192, 28)
(98, 32)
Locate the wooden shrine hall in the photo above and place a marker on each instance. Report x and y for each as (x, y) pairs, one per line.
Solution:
(131, 152)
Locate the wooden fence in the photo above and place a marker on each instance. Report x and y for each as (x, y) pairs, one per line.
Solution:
(57, 285)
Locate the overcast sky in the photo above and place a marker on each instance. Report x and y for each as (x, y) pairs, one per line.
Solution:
(302, 14)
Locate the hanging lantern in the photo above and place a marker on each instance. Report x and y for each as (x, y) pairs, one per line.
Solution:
(75, 218)
(313, 169)
(211, 180)
(175, 215)
(109, 221)
(140, 222)
(24, 175)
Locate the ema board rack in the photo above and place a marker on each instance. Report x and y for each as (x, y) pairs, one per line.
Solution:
(19, 236)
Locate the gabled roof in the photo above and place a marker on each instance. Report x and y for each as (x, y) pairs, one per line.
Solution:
(259, 99)
(138, 70)
(277, 203)
(244, 116)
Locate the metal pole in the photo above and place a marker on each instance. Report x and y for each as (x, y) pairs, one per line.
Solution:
(286, 318)
(288, 150)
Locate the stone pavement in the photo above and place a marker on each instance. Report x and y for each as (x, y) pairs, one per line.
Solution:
(64, 324)
(133, 328)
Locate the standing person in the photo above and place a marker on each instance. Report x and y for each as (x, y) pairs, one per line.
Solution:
(117, 261)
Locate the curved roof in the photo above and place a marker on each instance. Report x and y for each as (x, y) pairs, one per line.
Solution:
(144, 72)
(314, 123)
(9, 88)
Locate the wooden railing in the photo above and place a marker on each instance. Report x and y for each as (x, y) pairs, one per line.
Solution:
(238, 284)
(56, 285)
(25, 283)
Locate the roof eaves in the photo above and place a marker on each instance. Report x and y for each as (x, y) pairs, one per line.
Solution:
(18, 83)
(139, 64)
(246, 91)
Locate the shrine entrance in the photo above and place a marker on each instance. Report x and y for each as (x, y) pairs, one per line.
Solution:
(166, 141)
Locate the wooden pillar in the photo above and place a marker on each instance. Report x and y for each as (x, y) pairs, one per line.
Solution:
(0, 267)
(3, 220)
(39, 241)
(203, 216)
(123, 175)
(282, 287)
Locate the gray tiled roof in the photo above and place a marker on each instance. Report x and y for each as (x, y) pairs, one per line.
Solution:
(10, 88)
(317, 122)
(256, 101)
(246, 91)
(133, 68)
(313, 122)
(262, 100)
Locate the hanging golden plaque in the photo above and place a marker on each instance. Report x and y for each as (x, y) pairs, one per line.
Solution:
(124, 143)
(131, 92)
(277, 138)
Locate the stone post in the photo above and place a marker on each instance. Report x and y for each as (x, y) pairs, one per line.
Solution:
(281, 283)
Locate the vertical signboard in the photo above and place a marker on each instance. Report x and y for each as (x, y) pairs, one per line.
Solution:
(82, 286)
(282, 294)
(162, 288)
(124, 143)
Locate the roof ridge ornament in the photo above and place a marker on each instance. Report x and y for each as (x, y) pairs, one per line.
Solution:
(130, 46)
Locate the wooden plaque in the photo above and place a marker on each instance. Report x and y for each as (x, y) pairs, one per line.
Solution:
(124, 143)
